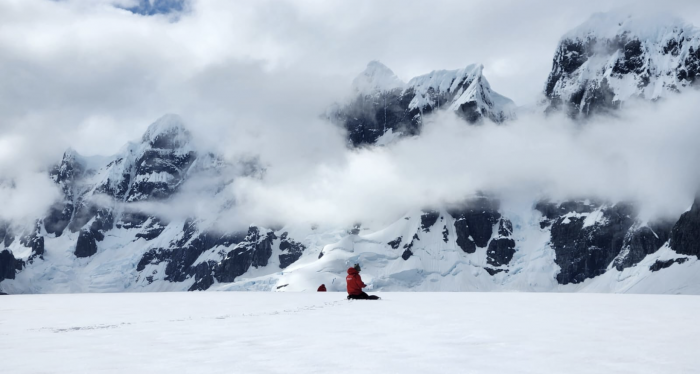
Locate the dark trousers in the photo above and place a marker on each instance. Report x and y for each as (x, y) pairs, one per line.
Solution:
(363, 296)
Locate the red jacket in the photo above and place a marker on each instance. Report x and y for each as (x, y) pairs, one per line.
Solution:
(354, 280)
(322, 288)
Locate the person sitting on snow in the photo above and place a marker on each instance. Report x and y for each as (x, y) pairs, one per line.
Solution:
(355, 285)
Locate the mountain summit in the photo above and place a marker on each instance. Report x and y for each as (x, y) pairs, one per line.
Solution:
(385, 108)
(616, 57)
(376, 78)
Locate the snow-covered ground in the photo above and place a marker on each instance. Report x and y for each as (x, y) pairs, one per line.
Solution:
(249, 332)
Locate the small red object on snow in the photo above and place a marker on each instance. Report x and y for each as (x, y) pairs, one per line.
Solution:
(322, 288)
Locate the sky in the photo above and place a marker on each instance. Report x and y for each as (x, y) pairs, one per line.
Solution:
(250, 76)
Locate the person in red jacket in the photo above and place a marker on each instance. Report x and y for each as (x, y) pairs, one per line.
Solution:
(355, 285)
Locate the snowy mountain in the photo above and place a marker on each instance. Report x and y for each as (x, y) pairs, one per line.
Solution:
(384, 107)
(106, 236)
(477, 246)
(99, 219)
(614, 57)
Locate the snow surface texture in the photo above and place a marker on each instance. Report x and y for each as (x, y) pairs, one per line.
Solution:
(615, 57)
(324, 333)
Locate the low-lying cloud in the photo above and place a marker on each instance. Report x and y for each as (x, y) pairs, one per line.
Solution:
(646, 155)
(252, 78)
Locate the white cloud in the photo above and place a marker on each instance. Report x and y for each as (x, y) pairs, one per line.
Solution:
(646, 156)
(251, 77)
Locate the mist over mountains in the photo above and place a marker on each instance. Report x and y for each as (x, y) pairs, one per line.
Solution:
(435, 183)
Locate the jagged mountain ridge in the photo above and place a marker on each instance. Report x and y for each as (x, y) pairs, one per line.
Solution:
(615, 57)
(385, 108)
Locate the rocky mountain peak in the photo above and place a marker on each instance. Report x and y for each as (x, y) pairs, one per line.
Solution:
(168, 132)
(464, 91)
(386, 109)
(614, 57)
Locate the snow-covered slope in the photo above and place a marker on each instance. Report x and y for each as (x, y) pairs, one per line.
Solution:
(384, 107)
(464, 91)
(614, 57)
(481, 246)
(585, 247)
(223, 332)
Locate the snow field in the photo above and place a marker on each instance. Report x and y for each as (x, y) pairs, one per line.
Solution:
(249, 332)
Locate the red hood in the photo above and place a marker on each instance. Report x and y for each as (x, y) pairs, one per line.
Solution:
(352, 271)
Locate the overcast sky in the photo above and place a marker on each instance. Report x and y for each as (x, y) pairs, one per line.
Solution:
(93, 75)
(253, 75)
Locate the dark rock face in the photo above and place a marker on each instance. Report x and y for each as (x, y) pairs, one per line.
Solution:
(500, 252)
(395, 243)
(191, 245)
(584, 252)
(658, 265)
(474, 224)
(407, 253)
(292, 249)
(255, 251)
(9, 265)
(153, 256)
(428, 219)
(464, 240)
(493, 272)
(87, 244)
(370, 116)
(639, 243)
(685, 235)
(633, 60)
(570, 55)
